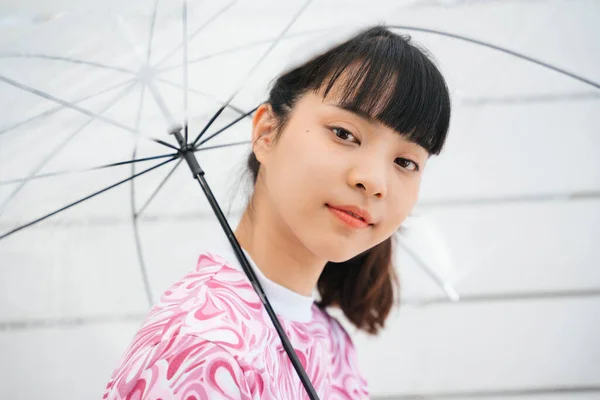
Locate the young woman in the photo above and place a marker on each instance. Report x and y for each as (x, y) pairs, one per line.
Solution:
(339, 150)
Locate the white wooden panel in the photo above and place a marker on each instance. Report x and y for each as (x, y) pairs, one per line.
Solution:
(424, 350)
(524, 247)
(75, 271)
(589, 395)
(519, 149)
(501, 249)
(61, 362)
(474, 347)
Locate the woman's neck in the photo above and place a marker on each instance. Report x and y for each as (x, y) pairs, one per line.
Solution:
(277, 252)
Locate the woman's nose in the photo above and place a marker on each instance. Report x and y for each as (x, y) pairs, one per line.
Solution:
(369, 176)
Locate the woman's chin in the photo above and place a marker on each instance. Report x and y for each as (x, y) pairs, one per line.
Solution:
(338, 254)
(332, 246)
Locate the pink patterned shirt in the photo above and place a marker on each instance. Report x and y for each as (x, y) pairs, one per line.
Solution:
(210, 338)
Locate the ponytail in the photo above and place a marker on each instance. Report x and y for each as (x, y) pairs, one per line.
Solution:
(363, 287)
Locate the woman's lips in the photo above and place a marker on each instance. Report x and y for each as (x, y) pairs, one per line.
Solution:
(349, 220)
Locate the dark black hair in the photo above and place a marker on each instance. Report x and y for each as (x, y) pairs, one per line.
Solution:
(386, 78)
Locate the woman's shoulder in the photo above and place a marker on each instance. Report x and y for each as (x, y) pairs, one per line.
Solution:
(343, 350)
(212, 272)
(212, 299)
(329, 319)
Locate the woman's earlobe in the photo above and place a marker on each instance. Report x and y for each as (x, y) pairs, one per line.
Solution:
(261, 146)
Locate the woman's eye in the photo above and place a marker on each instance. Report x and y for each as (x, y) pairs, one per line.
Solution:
(406, 164)
(342, 133)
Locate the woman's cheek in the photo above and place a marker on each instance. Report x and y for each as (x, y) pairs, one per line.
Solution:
(399, 208)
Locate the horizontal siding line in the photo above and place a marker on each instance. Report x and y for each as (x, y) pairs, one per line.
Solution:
(528, 99)
(516, 199)
(504, 297)
(69, 322)
(502, 393)
(7, 326)
(580, 195)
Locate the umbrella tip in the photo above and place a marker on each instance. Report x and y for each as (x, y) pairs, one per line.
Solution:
(175, 129)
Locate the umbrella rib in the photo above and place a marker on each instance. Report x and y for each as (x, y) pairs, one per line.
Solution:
(235, 121)
(160, 103)
(134, 219)
(196, 32)
(239, 48)
(254, 67)
(64, 103)
(151, 36)
(56, 150)
(138, 246)
(219, 53)
(58, 108)
(196, 91)
(185, 69)
(445, 286)
(218, 146)
(74, 171)
(133, 41)
(501, 49)
(153, 195)
(138, 116)
(66, 59)
(84, 199)
(79, 109)
(164, 143)
(130, 38)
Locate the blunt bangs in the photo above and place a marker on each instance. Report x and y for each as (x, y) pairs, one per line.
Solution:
(383, 77)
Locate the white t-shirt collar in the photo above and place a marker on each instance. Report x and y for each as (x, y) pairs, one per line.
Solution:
(285, 302)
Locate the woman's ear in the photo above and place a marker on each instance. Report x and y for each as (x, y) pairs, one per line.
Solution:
(263, 131)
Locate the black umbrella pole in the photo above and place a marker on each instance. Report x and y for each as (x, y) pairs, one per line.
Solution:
(187, 152)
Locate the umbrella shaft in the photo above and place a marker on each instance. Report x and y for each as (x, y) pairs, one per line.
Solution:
(190, 158)
(187, 152)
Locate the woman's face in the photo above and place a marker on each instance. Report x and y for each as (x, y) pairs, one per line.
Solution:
(327, 157)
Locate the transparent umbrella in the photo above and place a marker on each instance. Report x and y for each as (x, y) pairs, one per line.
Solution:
(146, 72)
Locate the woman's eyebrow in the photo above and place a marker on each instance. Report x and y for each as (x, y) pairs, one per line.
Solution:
(362, 114)
(356, 111)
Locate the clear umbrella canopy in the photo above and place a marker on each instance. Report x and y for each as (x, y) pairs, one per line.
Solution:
(103, 84)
